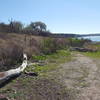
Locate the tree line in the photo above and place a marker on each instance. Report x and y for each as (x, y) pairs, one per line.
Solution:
(36, 28)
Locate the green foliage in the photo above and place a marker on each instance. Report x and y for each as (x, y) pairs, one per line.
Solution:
(53, 60)
(36, 28)
(37, 58)
(64, 52)
(93, 54)
(43, 69)
(39, 26)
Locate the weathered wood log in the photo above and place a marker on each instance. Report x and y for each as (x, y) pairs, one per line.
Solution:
(82, 49)
(7, 74)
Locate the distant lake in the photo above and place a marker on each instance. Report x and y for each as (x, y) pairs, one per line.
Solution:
(93, 38)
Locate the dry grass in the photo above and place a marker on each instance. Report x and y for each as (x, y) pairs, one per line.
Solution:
(13, 45)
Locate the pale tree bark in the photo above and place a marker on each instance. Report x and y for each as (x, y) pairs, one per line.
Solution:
(12, 72)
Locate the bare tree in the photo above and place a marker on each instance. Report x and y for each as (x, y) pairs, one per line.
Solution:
(16, 26)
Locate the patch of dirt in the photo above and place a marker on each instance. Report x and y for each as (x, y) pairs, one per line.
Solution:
(81, 74)
(39, 89)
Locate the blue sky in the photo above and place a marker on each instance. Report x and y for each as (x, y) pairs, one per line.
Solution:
(68, 16)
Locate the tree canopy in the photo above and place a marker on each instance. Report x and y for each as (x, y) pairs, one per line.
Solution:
(39, 26)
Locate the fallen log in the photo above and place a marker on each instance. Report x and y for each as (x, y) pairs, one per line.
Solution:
(13, 72)
(82, 49)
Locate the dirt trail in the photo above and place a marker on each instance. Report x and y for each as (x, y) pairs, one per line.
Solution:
(83, 75)
(80, 78)
(91, 92)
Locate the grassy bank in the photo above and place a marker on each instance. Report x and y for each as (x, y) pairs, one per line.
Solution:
(50, 62)
(93, 54)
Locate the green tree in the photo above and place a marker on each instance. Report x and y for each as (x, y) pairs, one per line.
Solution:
(39, 26)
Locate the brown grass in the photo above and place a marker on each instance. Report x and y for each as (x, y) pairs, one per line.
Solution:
(12, 47)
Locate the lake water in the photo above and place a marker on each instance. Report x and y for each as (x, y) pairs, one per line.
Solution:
(93, 38)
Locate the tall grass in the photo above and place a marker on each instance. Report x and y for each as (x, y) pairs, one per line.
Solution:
(13, 45)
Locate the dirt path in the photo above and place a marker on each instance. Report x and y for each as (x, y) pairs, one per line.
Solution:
(81, 74)
(78, 79)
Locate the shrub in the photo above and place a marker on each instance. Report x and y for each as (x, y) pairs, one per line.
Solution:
(60, 43)
(10, 55)
(74, 42)
(51, 45)
(48, 46)
(12, 47)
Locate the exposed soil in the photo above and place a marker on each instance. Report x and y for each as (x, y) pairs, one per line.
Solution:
(83, 75)
(78, 79)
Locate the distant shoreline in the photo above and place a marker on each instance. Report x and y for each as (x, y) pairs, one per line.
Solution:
(65, 35)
